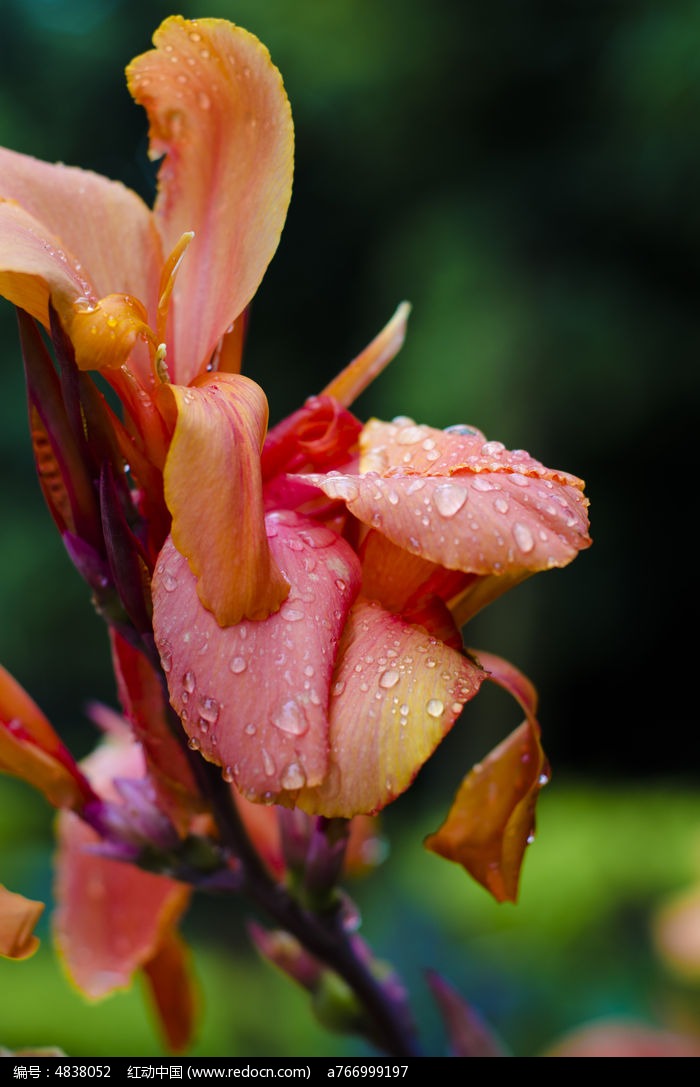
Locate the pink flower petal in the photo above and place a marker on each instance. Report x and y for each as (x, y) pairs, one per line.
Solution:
(111, 918)
(254, 697)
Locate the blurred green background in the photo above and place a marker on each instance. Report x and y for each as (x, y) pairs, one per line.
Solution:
(526, 174)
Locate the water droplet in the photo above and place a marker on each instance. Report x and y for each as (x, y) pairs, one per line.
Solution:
(435, 708)
(501, 505)
(490, 449)
(208, 711)
(189, 682)
(461, 428)
(291, 614)
(339, 687)
(291, 718)
(523, 537)
(203, 100)
(340, 585)
(341, 487)
(237, 665)
(409, 435)
(193, 744)
(268, 762)
(519, 480)
(169, 582)
(389, 679)
(166, 657)
(293, 776)
(250, 729)
(449, 499)
(227, 774)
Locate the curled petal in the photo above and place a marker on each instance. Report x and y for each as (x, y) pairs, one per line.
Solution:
(213, 489)
(492, 819)
(105, 333)
(254, 696)
(31, 750)
(18, 919)
(218, 112)
(396, 693)
(319, 436)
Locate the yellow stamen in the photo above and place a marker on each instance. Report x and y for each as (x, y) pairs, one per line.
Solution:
(167, 282)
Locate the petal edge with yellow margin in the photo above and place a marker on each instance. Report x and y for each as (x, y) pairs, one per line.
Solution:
(396, 693)
(213, 489)
(492, 818)
(219, 113)
(18, 918)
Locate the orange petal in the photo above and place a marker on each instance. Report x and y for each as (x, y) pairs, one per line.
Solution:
(31, 750)
(405, 447)
(107, 228)
(111, 918)
(492, 819)
(213, 489)
(254, 696)
(218, 112)
(475, 522)
(170, 980)
(361, 372)
(34, 265)
(396, 693)
(18, 918)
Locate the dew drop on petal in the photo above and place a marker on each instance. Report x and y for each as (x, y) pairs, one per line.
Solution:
(250, 729)
(523, 537)
(409, 435)
(209, 711)
(291, 718)
(501, 505)
(166, 657)
(293, 776)
(341, 487)
(449, 499)
(291, 614)
(435, 708)
(268, 762)
(189, 682)
(227, 774)
(339, 687)
(237, 665)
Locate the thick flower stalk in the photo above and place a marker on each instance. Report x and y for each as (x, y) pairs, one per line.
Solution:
(285, 608)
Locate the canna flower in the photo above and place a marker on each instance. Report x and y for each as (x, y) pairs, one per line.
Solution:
(303, 589)
(391, 536)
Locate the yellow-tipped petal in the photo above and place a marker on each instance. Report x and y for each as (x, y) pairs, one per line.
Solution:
(18, 918)
(396, 693)
(218, 112)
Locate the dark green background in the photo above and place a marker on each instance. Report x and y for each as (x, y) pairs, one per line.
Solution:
(526, 174)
